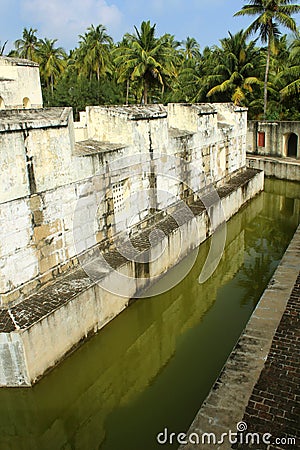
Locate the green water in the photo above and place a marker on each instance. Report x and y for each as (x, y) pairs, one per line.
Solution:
(153, 365)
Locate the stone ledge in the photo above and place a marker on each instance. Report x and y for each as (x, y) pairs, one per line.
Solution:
(175, 133)
(133, 112)
(93, 147)
(17, 61)
(19, 119)
(277, 167)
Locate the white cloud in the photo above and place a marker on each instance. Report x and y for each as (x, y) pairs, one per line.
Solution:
(66, 19)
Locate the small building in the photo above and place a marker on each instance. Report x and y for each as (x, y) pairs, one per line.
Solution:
(20, 86)
(280, 138)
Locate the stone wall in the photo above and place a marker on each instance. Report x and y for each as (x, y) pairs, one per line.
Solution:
(20, 85)
(38, 332)
(281, 168)
(113, 180)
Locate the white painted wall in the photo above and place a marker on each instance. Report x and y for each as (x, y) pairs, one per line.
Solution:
(19, 80)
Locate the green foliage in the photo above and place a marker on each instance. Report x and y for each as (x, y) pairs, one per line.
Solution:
(144, 67)
(79, 92)
(270, 14)
(52, 61)
(26, 46)
(236, 71)
(144, 58)
(93, 55)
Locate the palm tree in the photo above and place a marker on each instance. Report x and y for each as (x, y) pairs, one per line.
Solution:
(52, 61)
(27, 46)
(236, 68)
(191, 49)
(122, 72)
(270, 14)
(291, 74)
(190, 85)
(146, 58)
(93, 55)
(2, 47)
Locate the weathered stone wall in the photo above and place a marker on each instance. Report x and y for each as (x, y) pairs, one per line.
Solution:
(219, 130)
(276, 138)
(20, 85)
(114, 180)
(64, 198)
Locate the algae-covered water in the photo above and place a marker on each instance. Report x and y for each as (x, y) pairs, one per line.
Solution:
(152, 367)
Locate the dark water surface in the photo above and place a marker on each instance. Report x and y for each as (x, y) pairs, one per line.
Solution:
(153, 365)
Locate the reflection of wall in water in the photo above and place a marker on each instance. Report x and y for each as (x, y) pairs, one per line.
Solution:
(285, 197)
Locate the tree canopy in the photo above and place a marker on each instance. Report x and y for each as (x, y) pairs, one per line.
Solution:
(270, 15)
(260, 72)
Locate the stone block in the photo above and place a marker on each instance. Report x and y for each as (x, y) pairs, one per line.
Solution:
(35, 202)
(48, 263)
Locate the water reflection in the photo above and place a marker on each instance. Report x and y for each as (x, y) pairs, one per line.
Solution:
(155, 363)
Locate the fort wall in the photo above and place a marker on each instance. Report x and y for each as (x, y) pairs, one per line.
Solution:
(48, 173)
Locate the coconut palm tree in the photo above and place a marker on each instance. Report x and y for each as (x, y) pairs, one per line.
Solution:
(2, 47)
(27, 46)
(290, 76)
(191, 49)
(270, 14)
(146, 58)
(93, 54)
(52, 61)
(123, 70)
(236, 69)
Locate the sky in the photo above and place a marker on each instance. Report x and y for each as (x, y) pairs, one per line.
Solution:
(206, 20)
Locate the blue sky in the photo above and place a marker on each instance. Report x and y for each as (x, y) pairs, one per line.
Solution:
(206, 20)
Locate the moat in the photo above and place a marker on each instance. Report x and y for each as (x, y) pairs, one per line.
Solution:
(154, 364)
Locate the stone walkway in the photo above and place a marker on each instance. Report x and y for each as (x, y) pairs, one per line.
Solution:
(274, 405)
(278, 167)
(258, 389)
